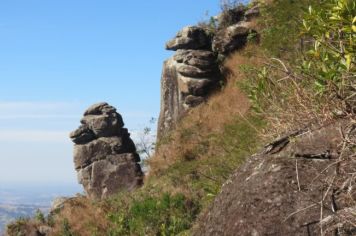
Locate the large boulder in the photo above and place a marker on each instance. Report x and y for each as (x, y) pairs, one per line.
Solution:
(301, 184)
(190, 37)
(232, 38)
(104, 154)
(230, 16)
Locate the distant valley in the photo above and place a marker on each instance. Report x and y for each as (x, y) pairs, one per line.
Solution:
(23, 201)
(11, 212)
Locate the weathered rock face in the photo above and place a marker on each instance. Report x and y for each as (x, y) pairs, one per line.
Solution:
(190, 37)
(302, 184)
(104, 155)
(188, 76)
(187, 79)
(232, 38)
(193, 72)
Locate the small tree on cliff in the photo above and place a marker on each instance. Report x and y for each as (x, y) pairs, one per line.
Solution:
(146, 140)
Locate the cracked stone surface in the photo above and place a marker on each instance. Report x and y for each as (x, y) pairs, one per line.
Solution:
(282, 190)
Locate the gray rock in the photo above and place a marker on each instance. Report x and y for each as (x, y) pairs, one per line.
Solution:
(286, 181)
(104, 125)
(193, 86)
(45, 230)
(194, 101)
(171, 98)
(98, 149)
(82, 135)
(188, 72)
(190, 37)
(252, 13)
(230, 16)
(194, 72)
(183, 55)
(58, 203)
(108, 163)
(232, 38)
(100, 108)
(109, 175)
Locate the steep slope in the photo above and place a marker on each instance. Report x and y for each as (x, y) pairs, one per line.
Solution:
(205, 178)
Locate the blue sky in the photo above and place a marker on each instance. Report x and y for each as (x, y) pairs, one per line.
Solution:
(57, 57)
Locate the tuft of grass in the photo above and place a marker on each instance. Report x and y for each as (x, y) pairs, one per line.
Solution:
(79, 216)
(165, 214)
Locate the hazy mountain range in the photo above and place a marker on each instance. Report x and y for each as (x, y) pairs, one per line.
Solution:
(23, 201)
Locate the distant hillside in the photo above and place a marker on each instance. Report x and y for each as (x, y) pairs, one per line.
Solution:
(9, 213)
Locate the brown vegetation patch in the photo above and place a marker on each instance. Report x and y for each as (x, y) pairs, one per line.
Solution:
(210, 118)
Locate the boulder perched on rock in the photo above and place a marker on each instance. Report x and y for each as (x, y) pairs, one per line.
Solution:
(190, 37)
(104, 155)
(251, 13)
(230, 16)
(301, 184)
(231, 38)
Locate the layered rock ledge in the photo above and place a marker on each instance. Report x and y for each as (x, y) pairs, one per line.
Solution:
(105, 156)
(189, 76)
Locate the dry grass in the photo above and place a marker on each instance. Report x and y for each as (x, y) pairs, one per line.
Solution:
(290, 103)
(210, 118)
(23, 227)
(83, 216)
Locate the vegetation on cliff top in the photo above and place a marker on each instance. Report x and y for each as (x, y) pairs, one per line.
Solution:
(301, 72)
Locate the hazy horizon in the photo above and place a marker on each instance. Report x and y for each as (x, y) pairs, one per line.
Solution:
(59, 57)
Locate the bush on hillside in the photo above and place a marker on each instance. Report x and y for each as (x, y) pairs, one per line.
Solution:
(331, 62)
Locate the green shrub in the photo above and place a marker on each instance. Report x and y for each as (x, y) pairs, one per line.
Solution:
(66, 229)
(165, 214)
(331, 62)
(39, 216)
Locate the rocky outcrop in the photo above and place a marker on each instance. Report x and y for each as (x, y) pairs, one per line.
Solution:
(232, 38)
(193, 72)
(235, 26)
(186, 79)
(301, 184)
(104, 155)
(190, 37)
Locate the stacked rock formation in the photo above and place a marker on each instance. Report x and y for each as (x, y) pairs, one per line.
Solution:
(105, 157)
(188, 76)
(193, 72)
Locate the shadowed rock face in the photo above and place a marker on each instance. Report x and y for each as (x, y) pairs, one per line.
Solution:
(104, 155)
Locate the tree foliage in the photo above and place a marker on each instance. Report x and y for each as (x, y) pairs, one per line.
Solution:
(331, 61)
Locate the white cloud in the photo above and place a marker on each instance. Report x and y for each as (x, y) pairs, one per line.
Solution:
(33, 136)
(39, 110)
(35, 105)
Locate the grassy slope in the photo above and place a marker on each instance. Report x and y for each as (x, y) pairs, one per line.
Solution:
(212, 140)
(186, 173)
